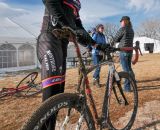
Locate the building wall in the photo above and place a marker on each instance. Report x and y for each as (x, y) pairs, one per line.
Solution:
(144, 40)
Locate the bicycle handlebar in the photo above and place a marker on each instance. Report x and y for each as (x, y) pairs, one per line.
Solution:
(71, 33)
(128, 49)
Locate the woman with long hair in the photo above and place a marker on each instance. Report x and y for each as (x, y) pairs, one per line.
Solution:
(125, 37)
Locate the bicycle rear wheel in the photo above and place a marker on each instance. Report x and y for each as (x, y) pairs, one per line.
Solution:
(122, 105)
(27, 79)
(70, 110)
(29, 90)
(27, 86)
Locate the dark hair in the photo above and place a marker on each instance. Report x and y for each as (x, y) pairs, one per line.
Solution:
(98, 26)
(128, 23)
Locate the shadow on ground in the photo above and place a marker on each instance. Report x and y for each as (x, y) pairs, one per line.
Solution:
(148, 87)
(149, 80)
(154, 87)
(152, 124)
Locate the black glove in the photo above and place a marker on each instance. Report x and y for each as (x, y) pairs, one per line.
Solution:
(68, 29)
(83, 37)
(103, 47)
(64, 33)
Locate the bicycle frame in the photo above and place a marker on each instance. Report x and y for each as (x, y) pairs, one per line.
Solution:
(83, 83)
(12, 91)
(84, 87)
(80, 100)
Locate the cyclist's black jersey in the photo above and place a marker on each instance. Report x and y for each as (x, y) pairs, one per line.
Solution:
(64, 12)
(59, 13)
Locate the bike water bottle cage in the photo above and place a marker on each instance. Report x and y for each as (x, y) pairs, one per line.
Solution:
(74, 4)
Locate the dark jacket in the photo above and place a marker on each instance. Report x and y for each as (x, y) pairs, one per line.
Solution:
(59, 13)
(124, 36)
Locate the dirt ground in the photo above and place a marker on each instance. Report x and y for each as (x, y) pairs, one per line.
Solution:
(15, 111)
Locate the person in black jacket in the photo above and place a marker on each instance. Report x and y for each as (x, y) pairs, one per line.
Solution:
(125, 37)
(52, 50)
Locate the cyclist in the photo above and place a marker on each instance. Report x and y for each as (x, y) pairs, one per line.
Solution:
(125, 37)
(52, 50)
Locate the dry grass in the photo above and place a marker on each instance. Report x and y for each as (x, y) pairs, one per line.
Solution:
(15, 111)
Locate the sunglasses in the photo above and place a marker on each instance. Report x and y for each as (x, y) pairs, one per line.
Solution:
(102, 27)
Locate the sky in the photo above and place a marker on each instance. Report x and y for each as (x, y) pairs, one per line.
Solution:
(16, 16)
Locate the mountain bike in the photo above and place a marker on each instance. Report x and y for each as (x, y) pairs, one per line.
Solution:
(26, 87)
(77, 111)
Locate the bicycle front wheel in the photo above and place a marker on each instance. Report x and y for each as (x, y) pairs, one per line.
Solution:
(123, 104)
(27, 79)
(70, 113)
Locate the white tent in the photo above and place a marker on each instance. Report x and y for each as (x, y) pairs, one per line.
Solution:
(17, 53)
(145, 42)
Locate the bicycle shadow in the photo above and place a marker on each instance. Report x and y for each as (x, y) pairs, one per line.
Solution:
(152, 124)
(142, 88)
(148, 87)
(155, 87)
(149, 80)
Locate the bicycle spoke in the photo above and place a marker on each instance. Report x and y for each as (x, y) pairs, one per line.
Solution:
(70, 120)
(66, 120)
(79, 122)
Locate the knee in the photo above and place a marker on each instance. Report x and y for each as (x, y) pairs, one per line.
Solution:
(51, 91)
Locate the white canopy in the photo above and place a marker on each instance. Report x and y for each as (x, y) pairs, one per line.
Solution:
(17, 40)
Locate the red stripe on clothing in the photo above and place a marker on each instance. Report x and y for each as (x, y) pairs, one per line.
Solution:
(53, 77)
(70, 5)
(53, 84)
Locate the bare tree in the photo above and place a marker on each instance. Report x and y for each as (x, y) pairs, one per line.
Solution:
(150, 28)
(110, 30)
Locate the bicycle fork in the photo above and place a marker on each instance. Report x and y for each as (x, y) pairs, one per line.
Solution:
(113, 76)
(109, 86)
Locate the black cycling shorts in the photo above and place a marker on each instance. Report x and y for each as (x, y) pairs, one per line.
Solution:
(52, 54)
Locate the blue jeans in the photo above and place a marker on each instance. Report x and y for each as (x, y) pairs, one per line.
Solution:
(96, 60)
(125, 59)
